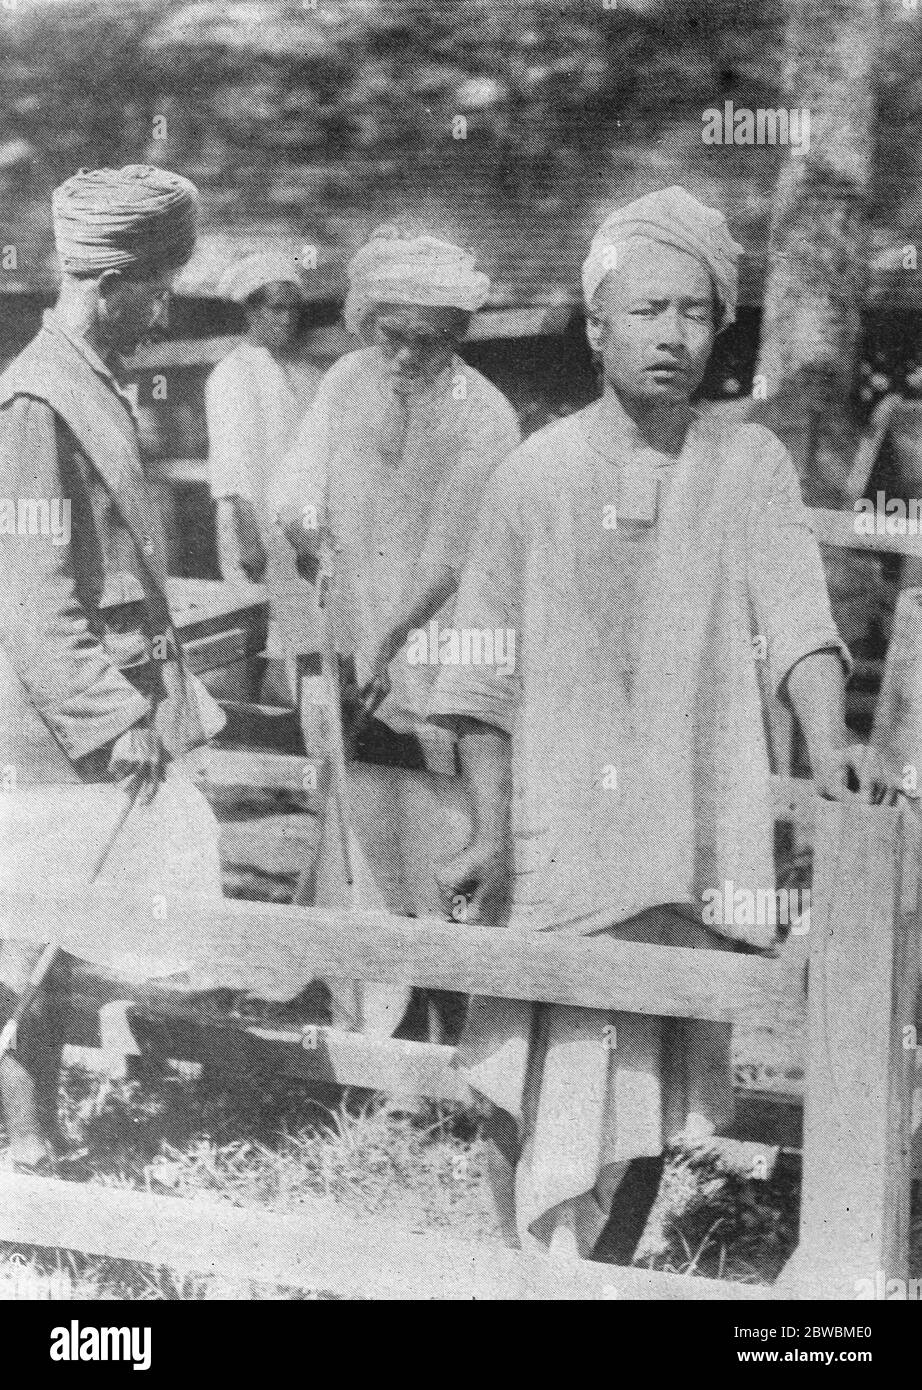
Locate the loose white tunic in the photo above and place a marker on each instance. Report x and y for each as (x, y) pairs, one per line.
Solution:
(398, 479)
(640, 768)
(254, 408)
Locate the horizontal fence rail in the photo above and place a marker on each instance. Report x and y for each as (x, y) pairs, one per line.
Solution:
(864, 943)
(254, 946)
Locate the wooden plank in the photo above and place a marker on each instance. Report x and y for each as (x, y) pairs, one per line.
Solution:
(897, 732)
(317, 1246)
(275, 845)
(526, 322)
(184, 352)
(268, 949)
(217, 650)
(793, 798)
(177, 1031)
(208, 605)
(863, 968)
(180, 472)
(838, 529)
(396, 1066)
(772, 1117)
(256, 771)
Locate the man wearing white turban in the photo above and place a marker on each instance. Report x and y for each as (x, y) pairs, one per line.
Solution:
(387, 475)
(619, 777)
(93, 687)
(255, 402)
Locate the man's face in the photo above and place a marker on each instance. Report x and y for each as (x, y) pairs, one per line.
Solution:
(652, 321)
(273, 319)
(416, 343)
(132, 310)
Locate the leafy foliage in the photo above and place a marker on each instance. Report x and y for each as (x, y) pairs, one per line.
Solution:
(279, 99)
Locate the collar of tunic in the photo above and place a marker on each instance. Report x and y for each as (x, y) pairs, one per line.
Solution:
(54, 324)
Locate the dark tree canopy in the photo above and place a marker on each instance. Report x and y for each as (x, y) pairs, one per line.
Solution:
(320, 115)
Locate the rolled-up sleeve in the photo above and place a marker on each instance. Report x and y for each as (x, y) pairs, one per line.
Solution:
(787, 586)
(490, 600)
(44, 632)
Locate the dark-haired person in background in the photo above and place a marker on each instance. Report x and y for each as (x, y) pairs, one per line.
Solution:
(255, 401)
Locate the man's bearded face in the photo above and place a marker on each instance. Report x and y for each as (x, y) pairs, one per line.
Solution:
(417, 343)
(133, 309)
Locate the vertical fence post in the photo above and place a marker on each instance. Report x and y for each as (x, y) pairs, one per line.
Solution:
(864, 951)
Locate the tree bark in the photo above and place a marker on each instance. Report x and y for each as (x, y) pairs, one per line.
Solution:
(817, 272)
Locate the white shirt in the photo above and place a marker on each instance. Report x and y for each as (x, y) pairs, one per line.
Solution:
(254, 407)
(398, 480)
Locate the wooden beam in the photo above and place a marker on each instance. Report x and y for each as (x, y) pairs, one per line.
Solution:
(276, 846)
(864, 954)
(256, 771)
(793, 798)
(216, 650)
(270, 949)
(180, 472)
(169, 1030)
(838, 529)
(897, 732)
(395, 1066)
(319, 1246)
(392, 1065)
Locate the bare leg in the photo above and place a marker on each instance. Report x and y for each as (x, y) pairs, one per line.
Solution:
(29, 1076)
(502, 1154)
(564, 1243)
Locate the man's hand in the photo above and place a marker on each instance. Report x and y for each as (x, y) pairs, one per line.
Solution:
(854, 772)
(377, 688)
(241, 553)
(474, 885)
(139, 752)
(253, 559)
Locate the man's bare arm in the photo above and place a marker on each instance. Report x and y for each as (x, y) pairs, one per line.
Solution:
(241, 554)
(475, 884)
(841, 767)
(430, 589)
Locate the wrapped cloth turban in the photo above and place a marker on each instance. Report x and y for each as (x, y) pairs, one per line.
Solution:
(672, 217)
(138, 217)
(255, 271)
(393, 268)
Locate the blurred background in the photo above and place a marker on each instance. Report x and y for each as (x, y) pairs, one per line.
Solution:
(510, 127)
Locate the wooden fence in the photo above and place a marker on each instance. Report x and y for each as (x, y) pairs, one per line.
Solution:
(861, 984)
(864, 944)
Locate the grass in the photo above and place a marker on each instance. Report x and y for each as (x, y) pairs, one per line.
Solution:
(261, 1144)
(269, 1145)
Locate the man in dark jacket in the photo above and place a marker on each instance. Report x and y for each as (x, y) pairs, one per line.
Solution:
(92, 684)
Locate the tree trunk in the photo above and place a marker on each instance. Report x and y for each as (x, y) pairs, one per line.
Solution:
(817, 251)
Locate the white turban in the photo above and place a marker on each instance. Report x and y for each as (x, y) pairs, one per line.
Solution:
(393, 268)
(111, 219)
(255, 271)
(672, 217)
